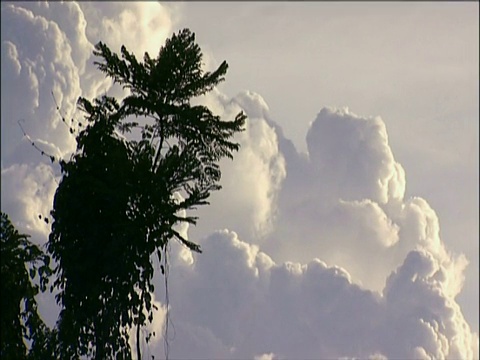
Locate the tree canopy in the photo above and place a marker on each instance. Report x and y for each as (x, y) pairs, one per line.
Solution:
(118, 201)
(24, 271)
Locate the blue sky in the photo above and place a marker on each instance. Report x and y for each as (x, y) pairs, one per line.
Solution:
(353, 203)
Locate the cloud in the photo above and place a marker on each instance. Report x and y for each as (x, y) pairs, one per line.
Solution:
(344, 202)
(36, 60)
(368, 233)
(141, 27)
(270, 356)
(321, 254)
(251, 182)
(430, 322)
(352, 157)
(26, 194)
(236, 301)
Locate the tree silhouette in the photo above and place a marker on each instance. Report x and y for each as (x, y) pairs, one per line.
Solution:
(21, 263)
(119, 200)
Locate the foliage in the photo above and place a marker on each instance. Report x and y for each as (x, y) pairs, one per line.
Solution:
(22, 263)
(116, 204)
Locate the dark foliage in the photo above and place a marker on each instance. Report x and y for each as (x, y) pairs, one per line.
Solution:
(115, 205)
(22, 263)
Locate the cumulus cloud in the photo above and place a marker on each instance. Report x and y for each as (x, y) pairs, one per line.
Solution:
(36, 61)
(430, 322)
(324, 257)
(140, 26)
(237, 302)
(26, 194)
(352, 157)
(344, 202)
(368, 229)
(251, 182)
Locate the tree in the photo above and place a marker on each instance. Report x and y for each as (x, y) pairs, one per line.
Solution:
(117, 203)
(21, 263)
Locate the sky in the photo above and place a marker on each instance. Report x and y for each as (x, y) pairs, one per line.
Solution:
(348, 222)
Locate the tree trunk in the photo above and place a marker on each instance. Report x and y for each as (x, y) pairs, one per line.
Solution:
(99, 341)
(139, 355)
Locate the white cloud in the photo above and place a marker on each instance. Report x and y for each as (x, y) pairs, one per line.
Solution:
(242, 304)
(41, 55)
(255, 305)
(270, 356)
(424, 316)
(251, 182)
(352, 156)
(344, 202)
(330, 259)
(140, 26)
(27, 192)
